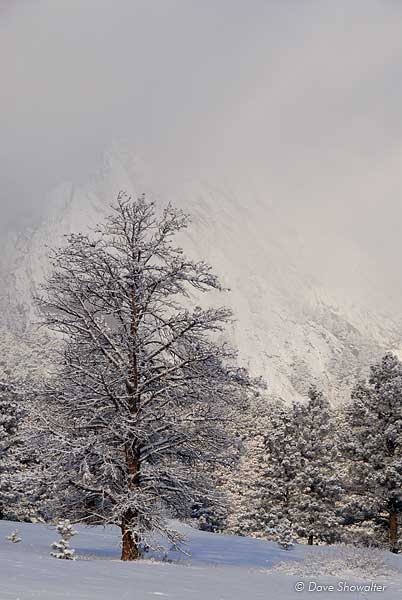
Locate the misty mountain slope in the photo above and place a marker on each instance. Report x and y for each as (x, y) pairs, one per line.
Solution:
(308, 306)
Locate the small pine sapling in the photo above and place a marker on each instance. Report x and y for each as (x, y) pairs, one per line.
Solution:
(285, 535)
(62, 547)
(14, 537)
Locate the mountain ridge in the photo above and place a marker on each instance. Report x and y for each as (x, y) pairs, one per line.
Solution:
(296, 323)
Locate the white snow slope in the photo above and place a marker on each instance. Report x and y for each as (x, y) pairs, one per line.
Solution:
(218, 567)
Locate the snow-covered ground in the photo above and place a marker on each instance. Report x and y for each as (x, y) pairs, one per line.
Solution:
(217, 567)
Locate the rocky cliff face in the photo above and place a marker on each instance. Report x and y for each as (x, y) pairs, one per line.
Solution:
(309, 307)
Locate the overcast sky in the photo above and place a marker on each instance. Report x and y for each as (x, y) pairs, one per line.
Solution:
(302, 98)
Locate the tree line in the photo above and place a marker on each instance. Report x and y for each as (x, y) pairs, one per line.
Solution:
(324, 474)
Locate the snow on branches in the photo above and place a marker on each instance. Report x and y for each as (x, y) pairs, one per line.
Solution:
(11, 415)
(287, 485)
(374, 449)
(61, 549)
(136, 417)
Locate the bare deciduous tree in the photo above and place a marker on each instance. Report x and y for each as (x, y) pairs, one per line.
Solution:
(138, 409)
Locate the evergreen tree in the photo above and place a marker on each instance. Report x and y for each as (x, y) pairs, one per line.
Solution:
(319, 479)
(11, 415)
(14, 537)
(137, 411)
(282, 481)
(25, 364)
(61, 549)
(243, 482)
(285, 534)
(374, 449)
(293, 486)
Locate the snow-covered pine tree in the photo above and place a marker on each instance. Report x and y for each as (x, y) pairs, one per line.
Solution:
(243, 482)
(141, 400)
(374, 449)
(217, 511)
(25, 363)
(14, 537)
(11, 415)
(61, 549)
(285, 534)
(297, 487)
(281, 482)
(320, 484)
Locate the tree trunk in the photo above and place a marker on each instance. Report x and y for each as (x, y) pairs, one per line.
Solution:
(129, 541)
(310, 540)
(393, 531)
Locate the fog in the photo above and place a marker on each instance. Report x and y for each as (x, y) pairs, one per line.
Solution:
(298, 100)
